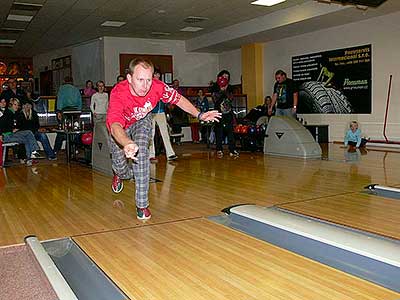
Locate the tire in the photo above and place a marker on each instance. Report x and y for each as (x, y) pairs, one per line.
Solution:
(262, 120)
(314, 97)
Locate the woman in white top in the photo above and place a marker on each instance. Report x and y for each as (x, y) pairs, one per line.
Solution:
(99, 103)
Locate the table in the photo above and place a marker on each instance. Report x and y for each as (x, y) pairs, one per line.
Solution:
(69, 136)
(319, 132)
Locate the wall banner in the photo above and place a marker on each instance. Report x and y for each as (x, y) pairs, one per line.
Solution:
(334, 82)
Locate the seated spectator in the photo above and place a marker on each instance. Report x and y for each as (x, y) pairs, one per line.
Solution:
(89, 91)
(261, 111)
(9, 132)
(3, 106)
(28, 119)
(13, 91)
(353, 136)
(99, 103)
(268, 106)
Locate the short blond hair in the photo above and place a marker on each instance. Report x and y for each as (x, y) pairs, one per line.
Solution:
(140, 61)
(14, 100)
(353, 123)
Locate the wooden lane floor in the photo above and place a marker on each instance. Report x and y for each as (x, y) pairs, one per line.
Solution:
(56, 200)
(359, 210)
(198, 259)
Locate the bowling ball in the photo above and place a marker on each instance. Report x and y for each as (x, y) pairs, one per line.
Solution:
(222, 81)
(252, 130)
(237, 129)
(87, 138)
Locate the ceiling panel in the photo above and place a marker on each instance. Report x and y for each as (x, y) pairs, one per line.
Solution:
(61, 23)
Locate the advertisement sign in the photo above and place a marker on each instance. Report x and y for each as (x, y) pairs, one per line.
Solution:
(334, 82)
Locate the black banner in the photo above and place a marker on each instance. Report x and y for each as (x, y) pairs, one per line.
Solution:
(334, 82)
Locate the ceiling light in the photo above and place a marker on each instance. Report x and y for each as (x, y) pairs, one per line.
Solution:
(8, 42)
(194, 19)
(160, 33)
(191, 29)
(20, 18)
(26, 6)
(267, 2)
(113, 23)
(9, 29)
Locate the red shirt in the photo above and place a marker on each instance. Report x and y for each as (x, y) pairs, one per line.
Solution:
(126, 109)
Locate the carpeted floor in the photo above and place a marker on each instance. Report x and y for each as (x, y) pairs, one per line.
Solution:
(21, 276)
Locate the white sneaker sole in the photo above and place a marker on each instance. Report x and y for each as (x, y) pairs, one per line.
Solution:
(117, 192)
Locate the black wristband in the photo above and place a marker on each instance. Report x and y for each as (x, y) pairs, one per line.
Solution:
(199, 115)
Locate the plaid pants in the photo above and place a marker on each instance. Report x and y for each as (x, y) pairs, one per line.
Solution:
(140, 133)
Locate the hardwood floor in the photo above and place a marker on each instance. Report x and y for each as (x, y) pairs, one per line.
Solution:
(54, 200)
(366, 212)
(198, 259)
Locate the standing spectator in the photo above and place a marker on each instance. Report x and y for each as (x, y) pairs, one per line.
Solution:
(222, 96)
(68, 96)
(285, 95)
(178, 118)
(88, 91)
(120, 78)
(202, 104)
(158, 114)
(202, 101)
(129, 122)
(28, 119)
(99, 103)
(194, 127)
(176, 87)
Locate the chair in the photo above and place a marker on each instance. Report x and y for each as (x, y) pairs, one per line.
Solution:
(4, 149)
(175, 137)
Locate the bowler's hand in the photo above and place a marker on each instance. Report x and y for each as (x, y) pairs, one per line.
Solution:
(131, 150)
(212, 115)
(294, 110)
